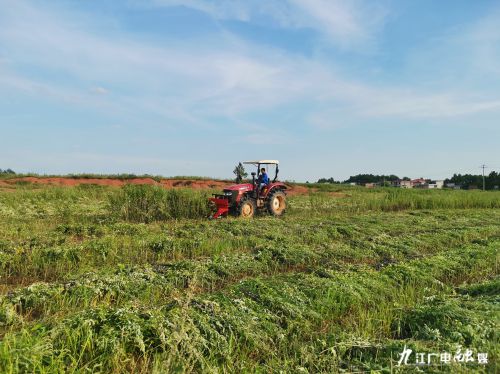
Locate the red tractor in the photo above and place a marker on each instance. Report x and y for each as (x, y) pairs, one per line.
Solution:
(244, 200)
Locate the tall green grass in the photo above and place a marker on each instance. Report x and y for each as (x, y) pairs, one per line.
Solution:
(398, 199)
(144, 203)
(358, 200)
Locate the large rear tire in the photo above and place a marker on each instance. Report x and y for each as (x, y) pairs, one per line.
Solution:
(247, 207)
(276, 203)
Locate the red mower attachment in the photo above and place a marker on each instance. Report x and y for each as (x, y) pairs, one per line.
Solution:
(222, 204)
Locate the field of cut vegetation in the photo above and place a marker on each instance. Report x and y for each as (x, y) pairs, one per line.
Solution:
(136, 279)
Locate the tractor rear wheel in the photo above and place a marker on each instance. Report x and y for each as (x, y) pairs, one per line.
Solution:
(247, 207)
(276, 203)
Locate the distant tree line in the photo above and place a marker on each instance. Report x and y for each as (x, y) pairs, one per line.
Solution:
(329, 180)
(465, 181)
(370, 178)
(470, 181)
(364, 178)
(7, 171)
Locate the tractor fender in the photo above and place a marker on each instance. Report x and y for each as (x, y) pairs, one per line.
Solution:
(275, 186)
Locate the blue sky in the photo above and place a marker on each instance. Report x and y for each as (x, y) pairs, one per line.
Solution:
(191, 87)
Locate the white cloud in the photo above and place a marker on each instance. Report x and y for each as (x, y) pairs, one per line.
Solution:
(363, 103)
(188, 83)
(99, 90)
(413, 103)
(344, 23)
(483, 43)
(267, 138)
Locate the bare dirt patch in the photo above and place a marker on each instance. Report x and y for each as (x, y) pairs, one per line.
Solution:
(297, 190)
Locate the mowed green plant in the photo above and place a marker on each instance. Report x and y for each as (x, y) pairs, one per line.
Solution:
(343, 282)
(257, 320)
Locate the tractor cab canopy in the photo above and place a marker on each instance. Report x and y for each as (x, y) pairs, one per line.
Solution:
(262, 162)
(259, 163)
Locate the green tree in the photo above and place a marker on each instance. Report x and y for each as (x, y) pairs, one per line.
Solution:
(329, 180)
(370, 178)
(240, 172)
(7, 171)
(466, 181)
(492, 180)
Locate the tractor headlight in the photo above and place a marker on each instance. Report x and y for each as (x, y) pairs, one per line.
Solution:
(228, 193)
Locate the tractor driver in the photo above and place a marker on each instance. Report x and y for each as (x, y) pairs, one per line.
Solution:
(263, 180)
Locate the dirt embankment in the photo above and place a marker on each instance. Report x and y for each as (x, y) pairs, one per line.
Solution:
(167, 183)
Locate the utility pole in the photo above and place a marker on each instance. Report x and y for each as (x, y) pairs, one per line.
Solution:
(483, 166)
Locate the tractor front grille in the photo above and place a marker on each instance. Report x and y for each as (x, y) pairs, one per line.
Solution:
(230, 195)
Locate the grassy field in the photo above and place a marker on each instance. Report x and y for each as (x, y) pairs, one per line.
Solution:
(136, 279)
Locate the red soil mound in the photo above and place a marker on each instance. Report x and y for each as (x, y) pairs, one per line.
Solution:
(195, 184)
(68, 181)
(167, 183)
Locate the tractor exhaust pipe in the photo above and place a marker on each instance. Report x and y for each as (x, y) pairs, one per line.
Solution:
(254, 186)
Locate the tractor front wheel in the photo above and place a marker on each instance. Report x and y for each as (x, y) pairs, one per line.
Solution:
(276, 203)
(247, 207)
